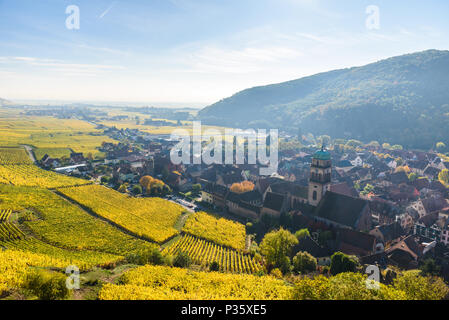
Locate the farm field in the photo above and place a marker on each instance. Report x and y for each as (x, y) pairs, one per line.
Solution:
(49, 132)
(14, 156)
(158, 282)
(83, 259)
(203, 252)
(39, 153)
(219, 230)
(63, 224)
(152, 218)
(15, 264)
(31, 175)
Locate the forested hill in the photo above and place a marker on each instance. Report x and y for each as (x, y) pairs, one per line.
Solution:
(401, 100)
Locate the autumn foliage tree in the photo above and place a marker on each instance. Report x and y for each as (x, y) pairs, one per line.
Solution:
(153, 185)
(242, 187)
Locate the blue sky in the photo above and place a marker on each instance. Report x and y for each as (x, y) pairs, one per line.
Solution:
(198, 51)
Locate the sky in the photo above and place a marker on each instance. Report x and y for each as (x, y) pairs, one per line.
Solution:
(199, 51)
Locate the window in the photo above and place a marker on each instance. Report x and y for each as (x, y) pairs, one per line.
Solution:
(314, 195)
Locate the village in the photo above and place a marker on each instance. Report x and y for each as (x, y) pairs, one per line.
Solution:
(387, 206)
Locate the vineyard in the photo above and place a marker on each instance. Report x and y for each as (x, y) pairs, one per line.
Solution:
(203, 252)
(39, 153)
(159, 283)
(12, 237)
(15, 264)
(49, 132)
(31, 175)
(65, 225)
(84, 259)
(14, 156)
(5, 214)
(152, 218)
(219, 230)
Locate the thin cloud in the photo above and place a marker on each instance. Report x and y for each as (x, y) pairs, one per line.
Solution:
(107, 10)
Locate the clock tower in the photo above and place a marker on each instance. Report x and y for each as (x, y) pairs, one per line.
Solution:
(320, 176)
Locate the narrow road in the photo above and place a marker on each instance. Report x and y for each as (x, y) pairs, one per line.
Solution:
(30, 152)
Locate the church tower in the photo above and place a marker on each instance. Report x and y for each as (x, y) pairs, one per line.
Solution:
(320, 176)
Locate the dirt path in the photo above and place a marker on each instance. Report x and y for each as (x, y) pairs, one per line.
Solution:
(30, 153)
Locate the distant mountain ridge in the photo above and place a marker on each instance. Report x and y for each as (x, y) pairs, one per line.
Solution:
(402, 100)
(4, 102)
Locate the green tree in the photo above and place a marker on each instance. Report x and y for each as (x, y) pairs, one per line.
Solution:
(412, 176)
(137, 189)
(214, 266)
(304, 262)
(122, 188)
(443, 176)
(417, 287)
(300, 234)
(276, 247)
(182, 260)
(374, 144)
(441, 146)
(430, 268)
(341, 262)
(386, 146)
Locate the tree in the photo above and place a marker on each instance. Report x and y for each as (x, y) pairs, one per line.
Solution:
(153, 186)
(242, 187)
(105, 179)
(304, 263)
(300, 234)
(196, 189)
(405, 169)
(122, 188)
(182, 260)
(386, 146)
(341, 262)
(412, 176)
(146, 256)
(418, 287)
(430, 268)
(374, 144)
(368, 189)
(214, 266)
(443, 176)
(441, 146)
(276, 247)
(137, 189)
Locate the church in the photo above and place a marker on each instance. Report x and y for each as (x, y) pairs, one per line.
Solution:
(320, 199)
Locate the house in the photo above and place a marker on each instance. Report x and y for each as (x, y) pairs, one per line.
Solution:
(215, 194)
(387, 232)
(77, 158)
(344, 189)
(246, 205)
(358, 162)
(307, 244)
(404, 252)
(356, 243)
(432, 172)
(418, 166)
(295, 193)
(339, 210)
(48, 162)
(274, 204)
(427, 228)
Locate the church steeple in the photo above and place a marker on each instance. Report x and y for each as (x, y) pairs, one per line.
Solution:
(320, 176)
